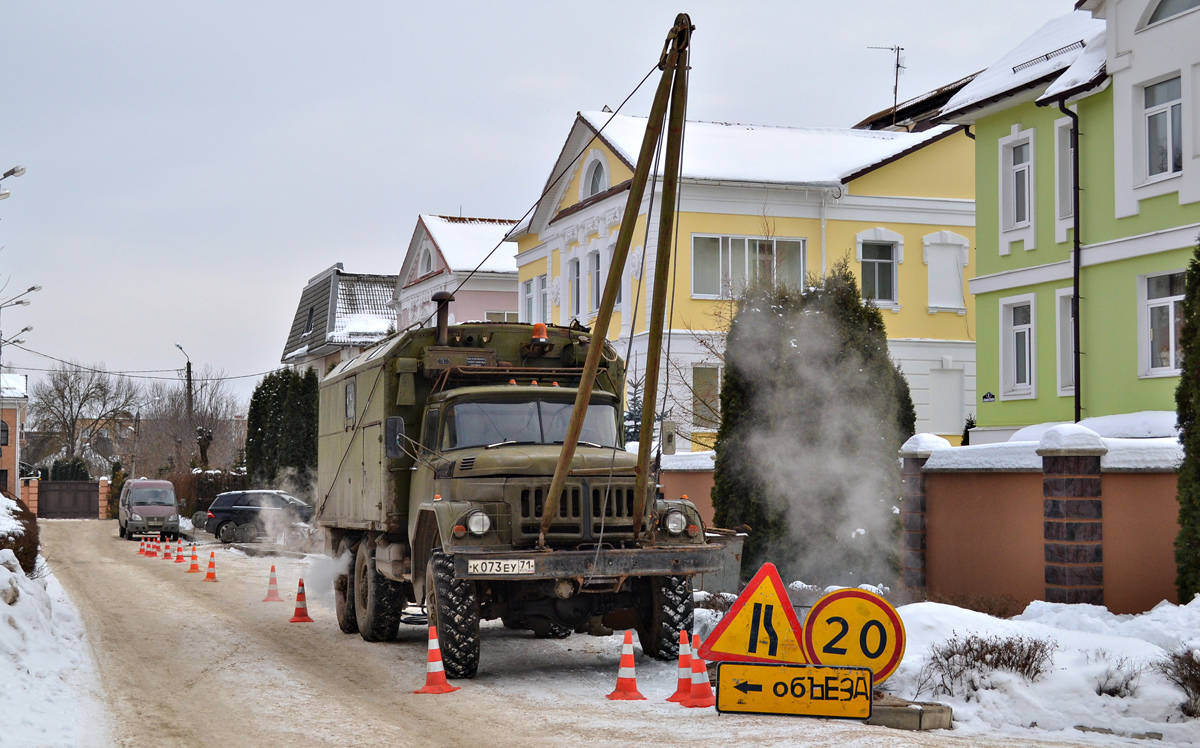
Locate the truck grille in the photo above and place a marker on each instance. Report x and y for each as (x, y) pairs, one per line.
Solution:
(570, 521)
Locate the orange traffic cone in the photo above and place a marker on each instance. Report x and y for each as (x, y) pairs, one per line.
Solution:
(683, 686)
(435, 674)
(211, 576)
(301, 614)
(626, 677)
(195, 567)
(142, 548)
(273, 589)
(153, 549)
(167, 551)
(179, 558)
(702, 693)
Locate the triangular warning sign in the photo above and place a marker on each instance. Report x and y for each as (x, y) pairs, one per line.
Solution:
(761, 626)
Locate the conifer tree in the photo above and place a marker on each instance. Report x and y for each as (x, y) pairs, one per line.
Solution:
(1187, 404)
(812, 415)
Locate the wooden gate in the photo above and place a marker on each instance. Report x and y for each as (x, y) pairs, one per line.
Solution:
(68, 499)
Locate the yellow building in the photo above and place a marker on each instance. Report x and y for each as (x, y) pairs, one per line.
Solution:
(757, 200)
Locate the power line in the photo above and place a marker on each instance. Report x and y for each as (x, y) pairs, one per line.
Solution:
(131, 374)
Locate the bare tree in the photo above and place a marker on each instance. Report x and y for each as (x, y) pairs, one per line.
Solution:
(81, 405)
(167, 440)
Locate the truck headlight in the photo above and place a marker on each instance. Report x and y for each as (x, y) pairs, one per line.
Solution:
(135, 517)
(675, 522)
(478, 523)
(173, 518)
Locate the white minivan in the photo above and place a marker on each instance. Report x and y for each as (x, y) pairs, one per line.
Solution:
(148, 508)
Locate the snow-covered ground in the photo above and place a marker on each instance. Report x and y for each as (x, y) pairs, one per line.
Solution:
(49, 692)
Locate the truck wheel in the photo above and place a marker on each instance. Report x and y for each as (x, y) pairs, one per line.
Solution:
(343, 594)
(664, 609)
(454, 609)
(544, 628)
(377, 605)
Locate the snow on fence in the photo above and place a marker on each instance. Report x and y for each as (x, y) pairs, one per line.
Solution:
(1073, 517)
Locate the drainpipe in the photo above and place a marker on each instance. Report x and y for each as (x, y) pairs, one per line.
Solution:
(1075, 258)
(824, 197)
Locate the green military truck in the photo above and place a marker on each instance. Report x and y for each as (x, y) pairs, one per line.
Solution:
(437, 448)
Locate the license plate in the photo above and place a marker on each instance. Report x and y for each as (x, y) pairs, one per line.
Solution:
(482, 566)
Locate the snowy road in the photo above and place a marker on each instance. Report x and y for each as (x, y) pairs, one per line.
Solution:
(185, 663)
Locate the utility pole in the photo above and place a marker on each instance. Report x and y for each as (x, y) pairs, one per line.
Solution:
(190, 410)
(897, 49)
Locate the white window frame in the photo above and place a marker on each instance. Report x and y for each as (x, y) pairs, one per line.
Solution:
(1064, 341)
(1011, 231)
(608, 257)
(1164, 109)
(574, 287)
(542, 303)
(724, 258)
(1064, 203)
(880, 235)
(595, 284)
(1145, 23)
(426, 265)
(1145, 368)
(527, 301)
(504, 316)
(1009, 389)
(594, 157)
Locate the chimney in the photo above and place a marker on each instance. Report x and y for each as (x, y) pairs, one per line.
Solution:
(443, 299)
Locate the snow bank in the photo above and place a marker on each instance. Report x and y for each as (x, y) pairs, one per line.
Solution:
(923, 444)
(48, 684)
(1071, 437)
(688, 461)
(9, 526)
(1002, 456)
(1146, 424)
(1090, 642)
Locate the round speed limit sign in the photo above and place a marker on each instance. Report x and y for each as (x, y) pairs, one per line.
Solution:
(855, 628)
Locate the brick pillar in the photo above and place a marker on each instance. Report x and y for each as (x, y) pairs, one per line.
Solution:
(1073, 513)
(912, 519)
(29, 493)
(104, 484)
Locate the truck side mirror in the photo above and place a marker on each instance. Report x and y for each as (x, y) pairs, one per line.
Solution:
(393, 437)
(668, 437)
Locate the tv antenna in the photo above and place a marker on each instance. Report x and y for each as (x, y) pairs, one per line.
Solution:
(897, 49)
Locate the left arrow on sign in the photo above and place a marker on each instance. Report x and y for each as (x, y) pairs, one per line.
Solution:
(748, 687)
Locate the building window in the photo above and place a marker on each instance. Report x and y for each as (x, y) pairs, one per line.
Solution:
(543, 304)
(1018, 189)
(723, 266)
(879, 272)
(620, 281)
(501, 316)
(1063, 175)
(706, 398)
(527, 293)
(596, 179)
(426, 262)
(1018, 350)
(350, 400)
(1168, 8)
(3, 434)
(597, 286)
(1164, 129)
(573, 287)
(1065, 338)
(1164, 314)
(308, 324)
(946, 254)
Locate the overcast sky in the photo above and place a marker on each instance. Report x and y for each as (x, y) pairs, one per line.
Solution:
(192, 164)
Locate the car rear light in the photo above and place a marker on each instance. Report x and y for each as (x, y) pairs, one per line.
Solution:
(211, 515)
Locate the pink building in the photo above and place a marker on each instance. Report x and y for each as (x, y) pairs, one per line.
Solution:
(443, 252)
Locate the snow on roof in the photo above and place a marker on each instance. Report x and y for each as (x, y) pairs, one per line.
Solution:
(1055, 46)
(14, 385)
(1089, 64)
(689, 462)
(465, 242)
(363, 315)
(919, 444)
(1071, 437)
(758, 153)
(1141, 425)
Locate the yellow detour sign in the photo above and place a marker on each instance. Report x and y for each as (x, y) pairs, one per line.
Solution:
(761, 626)
(855, 628)
(801, 690)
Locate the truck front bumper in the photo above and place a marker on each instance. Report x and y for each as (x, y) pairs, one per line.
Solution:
(613, 563)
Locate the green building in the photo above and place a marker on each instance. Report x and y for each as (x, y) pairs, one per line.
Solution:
(1129, 71)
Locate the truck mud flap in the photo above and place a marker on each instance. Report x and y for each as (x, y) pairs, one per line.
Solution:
(615, 563)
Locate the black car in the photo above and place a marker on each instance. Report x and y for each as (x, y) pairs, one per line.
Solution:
(243, 516)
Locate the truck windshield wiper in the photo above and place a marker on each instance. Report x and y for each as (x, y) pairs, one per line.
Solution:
(507, 441)
(588, 444)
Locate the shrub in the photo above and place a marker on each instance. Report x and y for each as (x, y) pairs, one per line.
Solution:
(24, 545)
(1187, 413)
(1182, 667)
(1121, 676)
(960, 666)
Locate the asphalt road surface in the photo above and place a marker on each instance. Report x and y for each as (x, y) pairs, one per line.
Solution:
(187, 663)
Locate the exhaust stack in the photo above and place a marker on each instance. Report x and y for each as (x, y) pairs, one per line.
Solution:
(443, 299)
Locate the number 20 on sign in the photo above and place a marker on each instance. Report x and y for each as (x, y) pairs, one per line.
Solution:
(855, 628)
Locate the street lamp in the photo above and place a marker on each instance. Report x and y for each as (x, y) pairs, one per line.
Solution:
(15, 300)
(191, 419)
(16, 171)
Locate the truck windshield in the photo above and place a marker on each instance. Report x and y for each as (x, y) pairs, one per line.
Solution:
(479, 424)
(157, 496)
